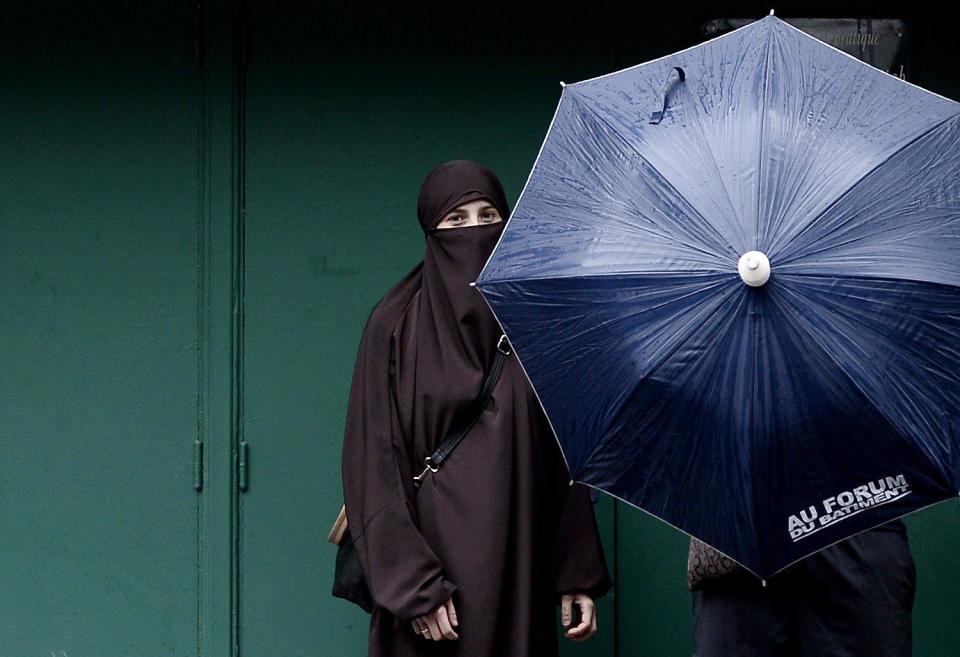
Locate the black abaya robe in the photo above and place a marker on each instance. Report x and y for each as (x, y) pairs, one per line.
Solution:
(498, 527)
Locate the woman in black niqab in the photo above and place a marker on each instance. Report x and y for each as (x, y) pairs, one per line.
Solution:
(497, 529)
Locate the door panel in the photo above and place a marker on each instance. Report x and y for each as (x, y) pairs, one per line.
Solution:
(344, 118)
(98, 329)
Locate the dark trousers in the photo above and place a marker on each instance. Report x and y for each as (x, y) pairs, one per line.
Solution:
(852, 599)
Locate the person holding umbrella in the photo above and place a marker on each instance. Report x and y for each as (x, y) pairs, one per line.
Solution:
(476, 553)
(733, 277)
(852, 598)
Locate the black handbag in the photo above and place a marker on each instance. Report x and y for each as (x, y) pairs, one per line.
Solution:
(349, 582)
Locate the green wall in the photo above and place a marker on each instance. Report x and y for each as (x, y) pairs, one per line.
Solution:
(202, 203)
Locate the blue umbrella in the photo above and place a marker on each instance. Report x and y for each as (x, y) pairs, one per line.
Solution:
(732, 280)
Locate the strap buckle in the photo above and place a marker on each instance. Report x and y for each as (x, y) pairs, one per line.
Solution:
(503, 350)
(430, 468)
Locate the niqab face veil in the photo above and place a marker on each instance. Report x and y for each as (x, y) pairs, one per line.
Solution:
(448, 340)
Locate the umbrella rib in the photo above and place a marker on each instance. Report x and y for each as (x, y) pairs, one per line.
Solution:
(931, 362)
(720, 178)
(666, 235)
(899, 432)
(754, 405)
(763, 117)
(658, 365)
(719, 237)
(633, 272)
(635, 314)
(870, 277)
(667, 522)
(850, 189)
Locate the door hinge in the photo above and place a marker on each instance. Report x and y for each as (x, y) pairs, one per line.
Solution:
(242, 466)
(198, 465)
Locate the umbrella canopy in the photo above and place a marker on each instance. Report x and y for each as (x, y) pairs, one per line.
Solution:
(732, 280)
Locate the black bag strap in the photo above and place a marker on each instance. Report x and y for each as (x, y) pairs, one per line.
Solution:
(433, 461)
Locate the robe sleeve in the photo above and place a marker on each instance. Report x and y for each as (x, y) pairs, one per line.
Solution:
(403, 573)
(579, 564)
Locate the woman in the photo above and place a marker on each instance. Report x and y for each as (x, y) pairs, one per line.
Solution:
(474, 561)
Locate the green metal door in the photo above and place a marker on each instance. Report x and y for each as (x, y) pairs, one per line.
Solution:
(99, 521)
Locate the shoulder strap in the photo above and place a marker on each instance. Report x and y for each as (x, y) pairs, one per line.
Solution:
(433, 461)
